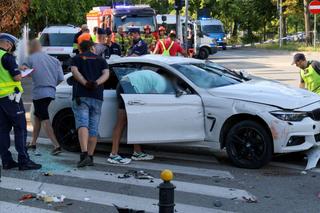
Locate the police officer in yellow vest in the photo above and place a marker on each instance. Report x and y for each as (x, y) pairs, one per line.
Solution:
(309, 73)
(12, 113)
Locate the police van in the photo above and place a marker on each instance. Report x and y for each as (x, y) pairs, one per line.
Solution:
(57, 41)
(205, 45)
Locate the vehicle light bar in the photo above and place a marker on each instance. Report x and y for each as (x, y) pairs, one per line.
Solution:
(131, 6)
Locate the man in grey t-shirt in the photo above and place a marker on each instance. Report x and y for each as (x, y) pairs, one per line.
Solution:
(46, 76)
(100, 46)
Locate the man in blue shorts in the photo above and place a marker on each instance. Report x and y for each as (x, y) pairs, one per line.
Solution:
(90, 72)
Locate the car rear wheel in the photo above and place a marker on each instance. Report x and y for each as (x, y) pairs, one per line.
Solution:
(249, 145)
(65, 131)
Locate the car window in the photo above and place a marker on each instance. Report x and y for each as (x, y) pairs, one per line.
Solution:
(206, 76)
(142, 81)
(57, 39)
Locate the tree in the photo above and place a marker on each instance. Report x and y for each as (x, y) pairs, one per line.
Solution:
(43, 12)
(307, 21)
(12, 15)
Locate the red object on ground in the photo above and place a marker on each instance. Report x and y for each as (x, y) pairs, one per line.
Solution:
(27, 197)
(314, 7)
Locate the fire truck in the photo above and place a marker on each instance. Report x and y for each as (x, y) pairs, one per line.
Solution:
(136, 16)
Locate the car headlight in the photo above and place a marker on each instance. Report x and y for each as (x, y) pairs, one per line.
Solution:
(289, 116)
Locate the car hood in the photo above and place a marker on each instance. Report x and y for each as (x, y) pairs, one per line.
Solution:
(267, 92)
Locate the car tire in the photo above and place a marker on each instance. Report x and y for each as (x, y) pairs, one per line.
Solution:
(224, 47)
(203, 53)
(65, 131)
(249, 145)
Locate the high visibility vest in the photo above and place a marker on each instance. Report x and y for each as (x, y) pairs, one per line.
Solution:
(124, 42)
(7, 84)
(148, 39)
(166, 52)
(311, 79)
(94, 38)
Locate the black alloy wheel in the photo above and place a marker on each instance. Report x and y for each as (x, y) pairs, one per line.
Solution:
(65, 131)
(249, 145)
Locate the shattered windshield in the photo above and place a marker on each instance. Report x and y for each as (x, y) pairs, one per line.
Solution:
(209, 75)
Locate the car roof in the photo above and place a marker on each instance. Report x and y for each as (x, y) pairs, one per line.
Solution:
(153, 59)
(61, 29)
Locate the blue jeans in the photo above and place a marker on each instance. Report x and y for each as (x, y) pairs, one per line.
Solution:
(87, 114)
(12, 114)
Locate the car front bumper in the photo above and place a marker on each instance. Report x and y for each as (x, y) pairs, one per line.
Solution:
(295, 136)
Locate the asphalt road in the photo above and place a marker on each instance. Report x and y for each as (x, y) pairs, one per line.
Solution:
(205, 180)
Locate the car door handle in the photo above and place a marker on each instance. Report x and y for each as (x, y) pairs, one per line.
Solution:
(136, 102)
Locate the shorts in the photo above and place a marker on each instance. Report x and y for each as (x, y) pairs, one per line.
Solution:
(41, 108)
(119, 90)
(87, 114)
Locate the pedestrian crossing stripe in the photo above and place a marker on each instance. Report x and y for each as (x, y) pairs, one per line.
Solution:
(98, 197)
(201, 189)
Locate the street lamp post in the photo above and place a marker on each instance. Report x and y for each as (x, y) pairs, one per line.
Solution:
(280, 25)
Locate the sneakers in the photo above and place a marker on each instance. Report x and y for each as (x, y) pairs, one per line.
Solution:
(30, 165)
(141, 156)
(85, 160)
(12, 164)
(56, 151)
(117, 159)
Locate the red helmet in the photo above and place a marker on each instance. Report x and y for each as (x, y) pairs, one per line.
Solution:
(162, 28)
(147, 27)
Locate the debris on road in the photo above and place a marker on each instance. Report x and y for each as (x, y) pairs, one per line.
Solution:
(50, 199)
(47, 174)
(217, 203)
(86, 199)
(137, 175)
(303, 172)
(27, 197)
(127, 210)
(251, 199)
(313, 156)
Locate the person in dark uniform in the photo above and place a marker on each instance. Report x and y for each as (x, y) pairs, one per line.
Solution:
(112, 48)
(139, 46)
(12, 112)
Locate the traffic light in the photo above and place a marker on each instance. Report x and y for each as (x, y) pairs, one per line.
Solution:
(179, 4)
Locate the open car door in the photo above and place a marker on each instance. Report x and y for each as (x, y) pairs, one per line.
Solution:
(162, 118)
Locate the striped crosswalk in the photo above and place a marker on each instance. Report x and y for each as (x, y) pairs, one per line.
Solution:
(101, 187)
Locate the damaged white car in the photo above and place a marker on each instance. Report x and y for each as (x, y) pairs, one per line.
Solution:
(207, 104)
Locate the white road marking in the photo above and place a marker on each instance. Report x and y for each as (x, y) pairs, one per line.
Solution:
(98, 197)
(19, 208)
(202, 189)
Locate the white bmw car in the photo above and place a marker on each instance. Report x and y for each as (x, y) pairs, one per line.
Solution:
(253, 118)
